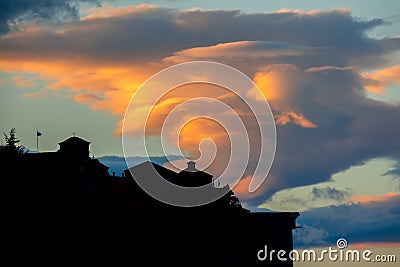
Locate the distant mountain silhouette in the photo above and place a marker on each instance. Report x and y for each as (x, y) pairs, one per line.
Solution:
(118, 164)
(64, 208)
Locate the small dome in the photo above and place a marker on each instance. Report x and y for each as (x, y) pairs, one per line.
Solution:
(191, 167)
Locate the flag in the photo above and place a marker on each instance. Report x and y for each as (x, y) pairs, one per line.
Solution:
(38, 133)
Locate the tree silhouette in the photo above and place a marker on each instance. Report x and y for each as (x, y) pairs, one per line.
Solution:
(233, 202)
(11, 145)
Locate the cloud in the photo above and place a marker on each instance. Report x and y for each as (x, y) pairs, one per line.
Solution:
(110, 54)
(329, 193)
(309, 234)
(290, 116)
(374, 221)
(351, 127)
(133, 34)
(13, 11)
(369, 245)
(238, 51)
(369, 199)
(395, 170)
(328, 68)
(378, 81)
(87, 98)
(23, 82)
(36, 95)
(241, 189)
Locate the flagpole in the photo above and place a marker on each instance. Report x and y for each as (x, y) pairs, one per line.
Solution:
(37, 140)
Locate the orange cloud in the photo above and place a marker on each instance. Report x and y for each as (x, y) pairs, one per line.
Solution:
(188, 128)
(277, 83)
(377, 81)
(200, 129)
(296, 118)
(241, 189)
(36, 95)
(102, 88)
(194, 122)
(87, 98)
(369, 245)
(107, 11)
(237, 50)
(75, 57)
(370, 199)
(116, 85)
(23, 82)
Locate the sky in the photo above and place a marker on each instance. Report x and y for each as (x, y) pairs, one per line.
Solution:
(330, 71)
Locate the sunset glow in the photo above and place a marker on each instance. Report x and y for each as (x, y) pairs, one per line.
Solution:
(328, 73)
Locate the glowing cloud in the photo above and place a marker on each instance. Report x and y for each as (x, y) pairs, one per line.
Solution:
(300, 61)
(23, 82)
(242, 189)
(295, 118)
(239, 51)
(377, 81)
(369, 199)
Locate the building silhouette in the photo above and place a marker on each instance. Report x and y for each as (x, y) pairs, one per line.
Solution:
(63, 208)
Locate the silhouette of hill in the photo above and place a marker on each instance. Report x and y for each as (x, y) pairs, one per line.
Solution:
(64, 208)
